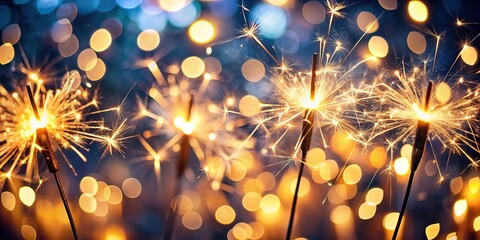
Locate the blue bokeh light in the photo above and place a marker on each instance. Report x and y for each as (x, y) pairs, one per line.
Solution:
(106, 5)
(283, 31)
(271, 20)
(129, 4)
(47, 6)
(150, 8)
(184, 16)
(156, 21)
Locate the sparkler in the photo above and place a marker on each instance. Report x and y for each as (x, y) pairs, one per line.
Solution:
(446, 114)
(452, 113)
(421, 136)
(206, 128)
(203, 127)
(28, 129)
(336, 96)
(336, 99)
(443, 116)
(45, 144)
(182, 165)
(306, 139)
(328, 103)
(63, 114)
(208, 134)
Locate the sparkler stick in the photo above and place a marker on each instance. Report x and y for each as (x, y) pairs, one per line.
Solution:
(182, 165)
(53, 167)
(306, 139)
(421, 136)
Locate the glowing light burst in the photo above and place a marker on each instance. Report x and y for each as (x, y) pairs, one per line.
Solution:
(212, 128)
(64, 112)
(338, 94)
(334, 105)
(452, 113)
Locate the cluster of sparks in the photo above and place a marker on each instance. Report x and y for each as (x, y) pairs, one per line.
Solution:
(387, 107)
(371, 108)
(335, 102)
(343, 99)
(338, 95)
(452, 113)
(65, 112)
(178, 107)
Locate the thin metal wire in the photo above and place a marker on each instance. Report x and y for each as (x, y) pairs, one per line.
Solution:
(65, 203)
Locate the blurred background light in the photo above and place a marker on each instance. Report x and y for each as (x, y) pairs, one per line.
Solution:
(272, 20)
(128, 4)
(388, 4)
(11, 34)
(190, 44)
(157, 21)
(418, 11)
(7, 52)
(185, 16)
(148, 40)
(202, 31)
(173, 5)
(46, 6)
(106, 5)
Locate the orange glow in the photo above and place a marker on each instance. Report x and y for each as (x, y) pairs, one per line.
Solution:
(460, 207)
(432, 230)
(422, 115)
(26, 195)
(418, 11)
(186, 127)
(270, 203)
(202, 31)
(390, 220)
(401, 166)
(115, 233)
(225, 214)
